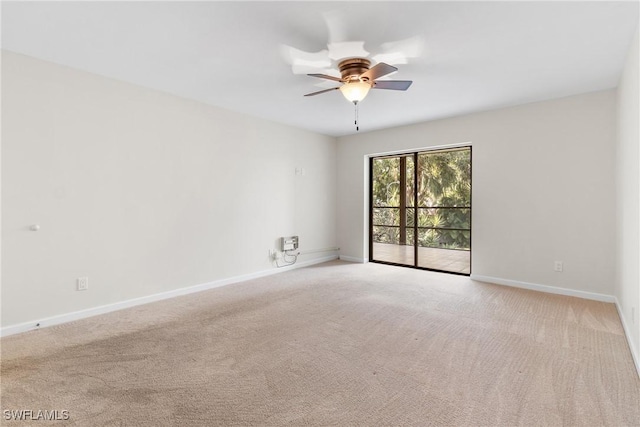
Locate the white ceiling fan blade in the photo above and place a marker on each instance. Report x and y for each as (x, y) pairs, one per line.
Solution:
(336, 25)
(394, 58)
(399, 52)
(305, 62)
(410, 48)
(342, 50)
(309, 69)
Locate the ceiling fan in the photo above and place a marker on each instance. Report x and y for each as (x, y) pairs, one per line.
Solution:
(357, 78)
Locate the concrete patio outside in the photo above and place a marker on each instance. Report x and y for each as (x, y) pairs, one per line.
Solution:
(456, 261)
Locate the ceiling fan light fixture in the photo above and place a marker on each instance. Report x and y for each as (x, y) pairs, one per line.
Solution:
(355, 91)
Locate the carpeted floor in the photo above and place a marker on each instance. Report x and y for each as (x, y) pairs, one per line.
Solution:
(334, 344)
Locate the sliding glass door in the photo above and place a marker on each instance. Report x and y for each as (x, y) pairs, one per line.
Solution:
(420, 210)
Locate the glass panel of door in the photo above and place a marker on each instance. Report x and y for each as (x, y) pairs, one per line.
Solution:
(392, 211)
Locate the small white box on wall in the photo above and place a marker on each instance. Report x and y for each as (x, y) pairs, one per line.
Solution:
(289, 243)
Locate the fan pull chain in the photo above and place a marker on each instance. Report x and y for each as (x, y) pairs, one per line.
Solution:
(356, 114)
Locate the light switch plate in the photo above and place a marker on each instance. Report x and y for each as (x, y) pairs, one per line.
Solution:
(83, 283)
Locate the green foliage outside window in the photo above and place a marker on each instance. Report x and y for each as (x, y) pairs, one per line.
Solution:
(444, 199)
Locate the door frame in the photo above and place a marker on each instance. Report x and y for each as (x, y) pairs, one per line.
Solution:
(415, 153)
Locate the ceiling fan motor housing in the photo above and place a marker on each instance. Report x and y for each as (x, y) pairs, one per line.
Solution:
(352, 68)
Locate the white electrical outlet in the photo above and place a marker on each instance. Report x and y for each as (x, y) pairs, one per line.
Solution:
(83, 283)
(558, 266)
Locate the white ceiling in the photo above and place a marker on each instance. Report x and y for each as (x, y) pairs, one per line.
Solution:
(472, 56)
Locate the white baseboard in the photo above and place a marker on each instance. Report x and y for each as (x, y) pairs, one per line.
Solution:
(94, 311)
(627, 334)
(545, 288)
(352, 259)
(573, 293)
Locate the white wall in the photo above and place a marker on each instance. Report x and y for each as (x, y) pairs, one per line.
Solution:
(543, 188)
(628, 198)
(146, 193)
(143, 192)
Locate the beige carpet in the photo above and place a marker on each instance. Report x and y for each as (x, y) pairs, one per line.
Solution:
(335, 344)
